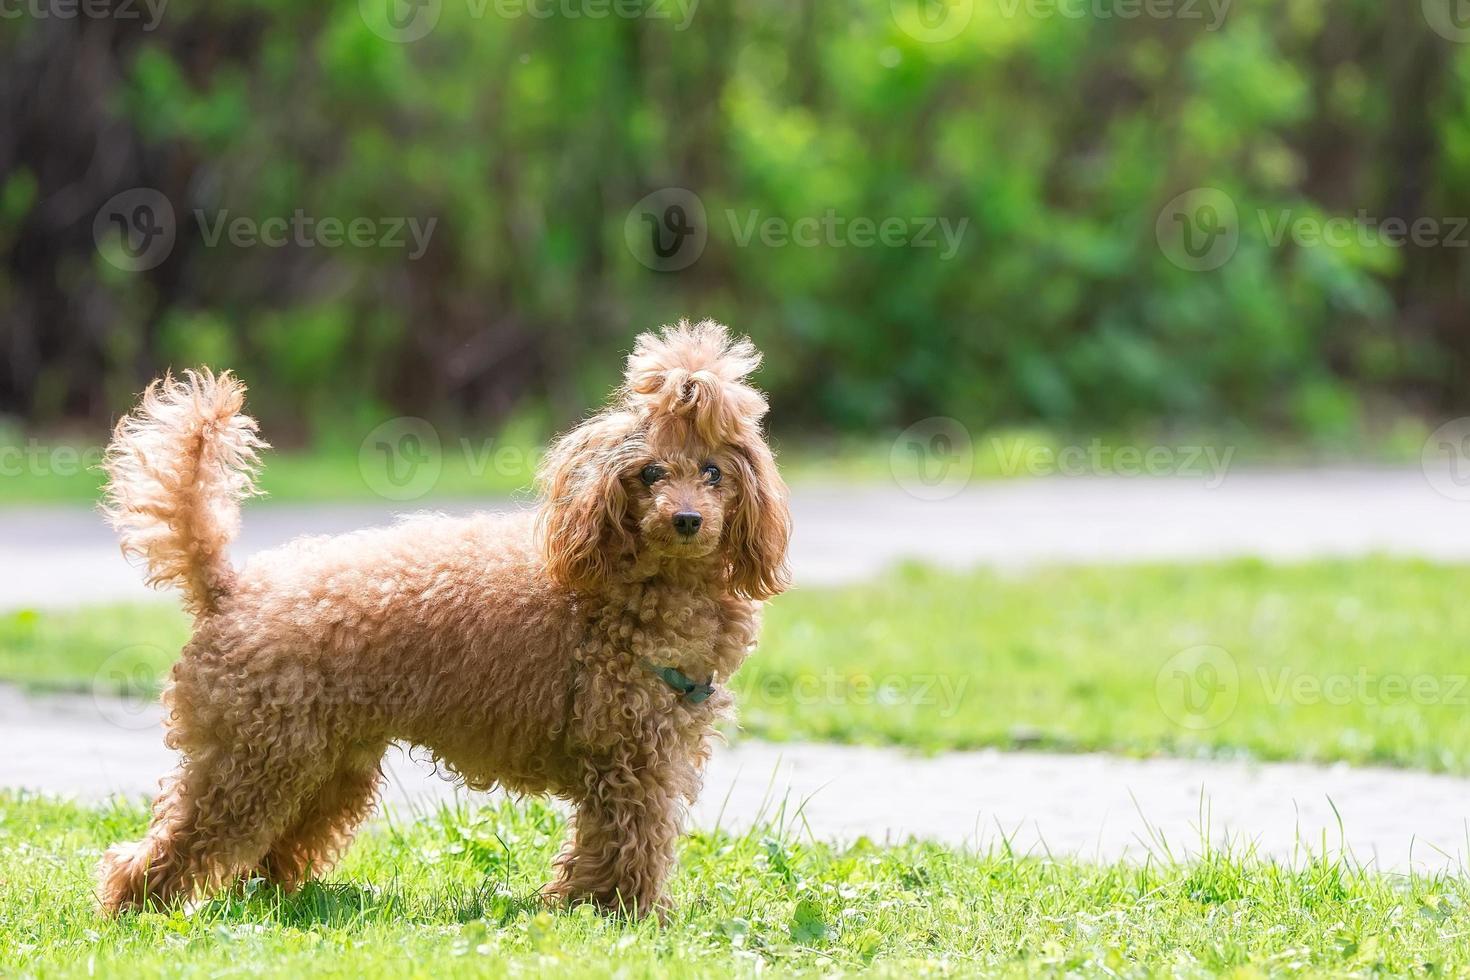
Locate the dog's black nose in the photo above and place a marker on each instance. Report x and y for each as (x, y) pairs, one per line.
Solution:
(687, 522)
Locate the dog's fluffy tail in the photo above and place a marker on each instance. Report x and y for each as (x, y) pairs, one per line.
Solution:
(177, 469)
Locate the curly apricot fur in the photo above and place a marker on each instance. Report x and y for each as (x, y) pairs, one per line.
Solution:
(512, 647)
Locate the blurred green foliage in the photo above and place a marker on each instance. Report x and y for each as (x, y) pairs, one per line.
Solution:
(1054, 136)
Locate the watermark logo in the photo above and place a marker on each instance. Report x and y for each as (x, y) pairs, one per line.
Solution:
(667, 230)
(400, 21)
(135, 229)
(401, 459)
(1450, 19)
(933, 459)
(1198, 688)
(404, 458)
(1199, 230)
(932, 21)
(125, 690)
(1445, 459)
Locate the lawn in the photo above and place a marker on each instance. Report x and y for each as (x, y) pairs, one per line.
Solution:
(454, 892)
(42, 473)
(430, 465)
(1362, 661)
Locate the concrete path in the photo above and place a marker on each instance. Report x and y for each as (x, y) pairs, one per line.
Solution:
(56, 557)
(1092, 806)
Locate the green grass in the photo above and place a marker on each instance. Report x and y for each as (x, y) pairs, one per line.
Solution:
(294, 477)
(454, 893)
(1362, 661)
(122, 648)
(349, 466)
(66, 473)
(465, 472)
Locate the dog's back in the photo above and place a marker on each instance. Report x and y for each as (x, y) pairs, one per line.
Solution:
(434, 630)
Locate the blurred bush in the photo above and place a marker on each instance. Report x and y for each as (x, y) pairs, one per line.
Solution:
(1059, 140)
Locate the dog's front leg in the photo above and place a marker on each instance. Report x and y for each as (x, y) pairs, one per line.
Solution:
(622, 845)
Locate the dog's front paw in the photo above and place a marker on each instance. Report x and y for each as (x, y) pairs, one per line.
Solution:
(563, 894)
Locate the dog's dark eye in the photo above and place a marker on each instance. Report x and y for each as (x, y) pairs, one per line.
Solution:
(652, 474)
(711, 473)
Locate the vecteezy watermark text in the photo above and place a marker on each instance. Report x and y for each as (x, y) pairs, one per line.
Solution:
(1212, 12)
(37, 458)
(832, 230)
(1198, 688)
(150, 12)
(1098, 458)
(305, 231)
(136, 230)
(943, 692)
(1201, 228)
(668, 230)
(680, 12)
(935, 458)
(406, 21)
(1362, 229)
(1363, 686)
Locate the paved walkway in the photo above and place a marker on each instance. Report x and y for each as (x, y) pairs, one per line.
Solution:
(61, 556)
(1092, 806)
(1089, 805)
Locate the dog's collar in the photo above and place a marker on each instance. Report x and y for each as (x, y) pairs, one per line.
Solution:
(690, 690)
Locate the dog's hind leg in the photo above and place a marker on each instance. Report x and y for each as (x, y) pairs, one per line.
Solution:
(215, 818)
(326, 823)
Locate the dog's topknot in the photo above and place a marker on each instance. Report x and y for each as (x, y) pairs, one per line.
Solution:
(696, 373)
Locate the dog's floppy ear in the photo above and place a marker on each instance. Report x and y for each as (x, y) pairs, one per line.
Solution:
(759, 528)
(581, 524)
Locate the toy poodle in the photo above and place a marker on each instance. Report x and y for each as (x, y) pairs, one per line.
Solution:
(581, 650)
